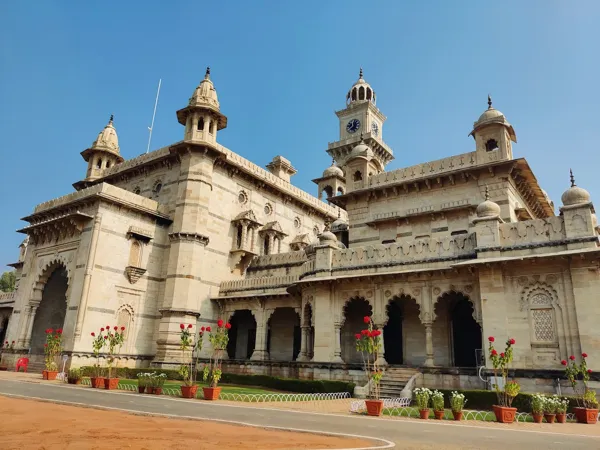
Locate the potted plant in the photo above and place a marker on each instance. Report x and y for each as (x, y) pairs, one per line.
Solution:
(501, 362)
(74, 376)
(368, 343)
(457, 403)
(143, 382)
(550, 408)
(189, 371)
(587, 409)
(158, 381)
(561, 409)
(538, 402)
(52, 349)
(212, 371)
(98, 343)
(114, 340)
(437, 401)
(422, 396)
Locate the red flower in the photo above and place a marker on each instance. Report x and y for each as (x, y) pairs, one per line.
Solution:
(101, 329)
(491, 339)
(366, 319)
(93, 334)
(108, 327)
(182, 326)
(494, 352)
(45, 345)
(572, 358)
(220, 323)
(7, 342)
(564, 362)
(122, 328)
(50, 330)
(208, 329)
(105, 337)
(357, 335)
(377, 333)
(512, 342)
(59, 331)
(202, 329)
(228, 325)
(502, 355)
(116, 328)
(190, 325)
(589, 370)
(584, 355)
(364, 332)
(12, 342)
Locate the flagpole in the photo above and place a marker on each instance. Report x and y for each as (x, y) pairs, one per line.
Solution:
(151, 127)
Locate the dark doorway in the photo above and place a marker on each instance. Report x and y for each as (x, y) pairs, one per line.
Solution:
(466, 333)
(297, 340)
(242, 335)
(251, 343)
(3, 330)
(392, 334)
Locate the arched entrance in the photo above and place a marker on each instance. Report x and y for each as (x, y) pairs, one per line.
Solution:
(242, 335)
(465, 332)
(52, 309)
(354, 312)
(392, 334)
(284, 335)
(3, 330)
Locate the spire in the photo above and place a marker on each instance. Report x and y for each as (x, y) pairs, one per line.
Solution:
(487, 192)
(489, 102)
(339, 213)
(361, 137)
(207, 74)
(110, 121)
(572, 178)
(360, 74)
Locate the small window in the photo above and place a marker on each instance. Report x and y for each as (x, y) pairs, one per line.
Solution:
(456, 233)
(201, 124)
(491, 145)
(99, 164)
(242, 197)
(297, 222)
(107, 164)
(137, 190)
(361, 93)
(266, 246)
(423, 236)
(357, 176)
(157, 187)
(388, 241)
(268, 209)
(135, 254)
(340, 191)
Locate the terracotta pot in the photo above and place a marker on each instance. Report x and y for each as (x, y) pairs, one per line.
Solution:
(111, 383)
(424, 414)
(561, 417)
(44, 374)
(211, 393)
(189, 391)
(141, 389)
(97, 382)
(74, 380)
(550, 417)
(537, 418)
(504, 414)
(457, 415)
(374, 407)
(157, 390)
(586, 415)
(439, 415)
(51, 374)
(3, 368)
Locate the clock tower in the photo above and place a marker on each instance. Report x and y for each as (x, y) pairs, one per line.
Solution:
(361, 119)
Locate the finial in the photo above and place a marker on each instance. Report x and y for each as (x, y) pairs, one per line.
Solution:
(333, 161)
(326, 225)
(572, 178)
(207, 75)
(361, 136)
(339, 213)
(360, 75)
(487, 193)
(489, 102)
(112, 117)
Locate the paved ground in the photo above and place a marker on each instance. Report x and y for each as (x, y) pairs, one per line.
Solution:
(407, 434)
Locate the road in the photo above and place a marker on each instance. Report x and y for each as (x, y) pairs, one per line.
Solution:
(406, 434)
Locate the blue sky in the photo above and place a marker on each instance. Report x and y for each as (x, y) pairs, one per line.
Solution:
(281, 69)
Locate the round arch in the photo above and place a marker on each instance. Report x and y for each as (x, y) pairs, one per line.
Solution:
(401, 318)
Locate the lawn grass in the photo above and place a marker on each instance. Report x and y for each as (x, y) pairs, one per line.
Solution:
(225, 388)
(485, 416)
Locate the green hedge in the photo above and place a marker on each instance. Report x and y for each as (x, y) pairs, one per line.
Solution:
(280, 384)
(484, 400)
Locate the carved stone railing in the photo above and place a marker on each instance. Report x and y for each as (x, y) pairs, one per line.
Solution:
(256, 284)
(7, 298)
(278, 259)
(534, 231)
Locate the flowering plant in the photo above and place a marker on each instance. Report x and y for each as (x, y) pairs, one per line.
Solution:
(368, 342)
(52, 348)
(501, 362)
(538, 402)
(574, 372)
(437, 400)
(551, 405)
(218, 340)
(187, 345)
(114, 340)
(144, 379)
(422, 396)
(457, 401)
(7, 346)
(157, 380)
(98, 344)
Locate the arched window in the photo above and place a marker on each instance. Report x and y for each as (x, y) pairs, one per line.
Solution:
(328, 191)
(201, 124)
(107, 164)
(157, 187)
(353, 94)
(135, 254)
(266, 245)
(357, 176)
(491, 145)
(340, 191)
(369, 93)
(99, 163)
(361, 93)
(239, 236)
(542, 318)
(124, 320)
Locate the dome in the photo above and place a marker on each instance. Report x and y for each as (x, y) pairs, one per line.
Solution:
(361, 91)
(107, 140)
(575, 195)
(327, 237)
(361, 150)
(493, 116)
(205, 93)
(488, 208)
(339, 224)
(333, 171)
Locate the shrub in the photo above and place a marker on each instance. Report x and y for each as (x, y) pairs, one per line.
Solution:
(422, 396)
(484, 400)
(457, 401)
(74, 374)
(437, 401)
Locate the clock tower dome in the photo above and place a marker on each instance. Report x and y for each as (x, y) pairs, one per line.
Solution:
(361, 120)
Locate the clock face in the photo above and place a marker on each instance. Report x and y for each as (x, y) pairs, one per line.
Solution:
(375, 128)
(353, 126)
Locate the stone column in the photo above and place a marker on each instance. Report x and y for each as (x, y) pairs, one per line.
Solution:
(244, 235)
(30, 320)
(304, 344)
(260, 344)
(429, 344)
(337, 355)
(271, 244)
(381, 362)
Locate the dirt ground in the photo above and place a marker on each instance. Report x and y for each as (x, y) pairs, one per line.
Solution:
(28, 424)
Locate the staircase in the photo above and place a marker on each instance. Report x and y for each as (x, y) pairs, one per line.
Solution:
(394, 380)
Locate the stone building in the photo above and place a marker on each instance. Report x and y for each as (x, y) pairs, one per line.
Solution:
(440, 254)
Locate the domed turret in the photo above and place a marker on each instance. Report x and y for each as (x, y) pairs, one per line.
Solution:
(107, 139)
(492, 132)
(361, 91)
(575, 195)
(488, 208)
(361, 150)
(327, 237)
(103, 154)
(333, 171)
(205, 94)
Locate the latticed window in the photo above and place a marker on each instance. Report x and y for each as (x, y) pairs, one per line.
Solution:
(543, 325)
(124, 320)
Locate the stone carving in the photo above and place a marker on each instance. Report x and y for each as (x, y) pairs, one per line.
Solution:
(532, 231)
(134, 273)
(387, 293)
(541, 293)
(436, 291)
